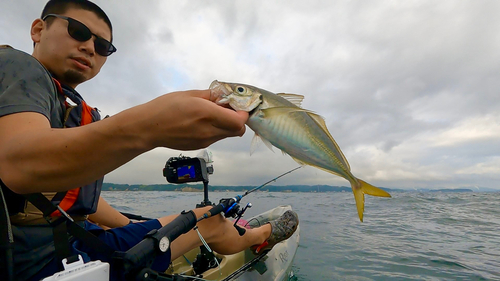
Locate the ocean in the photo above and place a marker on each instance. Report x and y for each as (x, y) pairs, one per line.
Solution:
(411, 236)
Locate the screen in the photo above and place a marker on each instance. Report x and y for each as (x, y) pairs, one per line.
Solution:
(186, 172)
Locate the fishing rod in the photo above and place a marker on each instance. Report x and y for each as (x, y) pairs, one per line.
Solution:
(260, 186)
(231, 208)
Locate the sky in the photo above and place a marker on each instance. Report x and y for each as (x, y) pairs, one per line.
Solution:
(409, 89)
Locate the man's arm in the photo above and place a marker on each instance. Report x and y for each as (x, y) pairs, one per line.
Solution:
(108, 216)
(35, 157)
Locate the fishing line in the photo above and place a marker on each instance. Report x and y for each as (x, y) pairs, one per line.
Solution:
(193, 277)
(185, 258)
(208, 248)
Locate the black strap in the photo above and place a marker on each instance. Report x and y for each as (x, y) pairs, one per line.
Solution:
(61, 242)
(90, 239)
(64, 225)
(41, 203)
(59, 228)
(59, 196)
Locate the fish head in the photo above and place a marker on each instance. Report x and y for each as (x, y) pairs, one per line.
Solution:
(238, 96)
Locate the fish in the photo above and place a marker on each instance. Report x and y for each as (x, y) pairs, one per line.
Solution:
(280, 121)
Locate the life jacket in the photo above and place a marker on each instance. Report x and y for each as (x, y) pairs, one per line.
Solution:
(77, 202)
(80, 200)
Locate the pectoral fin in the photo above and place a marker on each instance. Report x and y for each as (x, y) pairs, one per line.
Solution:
(255, 143)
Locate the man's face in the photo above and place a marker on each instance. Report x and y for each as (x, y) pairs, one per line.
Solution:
(71, 61)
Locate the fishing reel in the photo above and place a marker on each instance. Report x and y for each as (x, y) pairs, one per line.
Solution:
(234, 210)
(231, 208)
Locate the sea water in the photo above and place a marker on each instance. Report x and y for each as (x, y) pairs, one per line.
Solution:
(411, 236)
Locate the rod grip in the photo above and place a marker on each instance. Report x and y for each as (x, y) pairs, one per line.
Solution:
(215, 210)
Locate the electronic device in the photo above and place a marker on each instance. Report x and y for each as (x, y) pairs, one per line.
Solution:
(187, 169)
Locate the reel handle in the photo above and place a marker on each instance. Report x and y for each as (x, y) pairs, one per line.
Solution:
(241, 230)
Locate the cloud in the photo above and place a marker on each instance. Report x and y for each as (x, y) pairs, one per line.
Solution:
(471, 130)
(408, 89)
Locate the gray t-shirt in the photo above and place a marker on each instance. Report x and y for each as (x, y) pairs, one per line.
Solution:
(26, 86)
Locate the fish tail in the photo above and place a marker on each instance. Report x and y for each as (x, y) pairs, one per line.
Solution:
(360, 188)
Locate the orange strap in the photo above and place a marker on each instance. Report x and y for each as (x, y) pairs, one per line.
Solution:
(86, 114)
(58, 85)
(68, 201)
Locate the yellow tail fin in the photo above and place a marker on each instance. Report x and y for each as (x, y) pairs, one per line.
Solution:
(359, 195)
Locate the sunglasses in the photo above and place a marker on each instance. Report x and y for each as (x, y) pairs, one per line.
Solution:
(82, 33)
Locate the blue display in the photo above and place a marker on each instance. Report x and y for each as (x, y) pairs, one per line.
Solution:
(186, 172)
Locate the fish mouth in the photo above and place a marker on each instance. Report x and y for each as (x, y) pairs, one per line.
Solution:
(216, 85)
(219, 92)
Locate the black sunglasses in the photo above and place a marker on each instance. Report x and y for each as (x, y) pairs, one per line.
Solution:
(82, 33)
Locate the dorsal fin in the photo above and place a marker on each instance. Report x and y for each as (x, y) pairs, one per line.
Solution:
(293, 98)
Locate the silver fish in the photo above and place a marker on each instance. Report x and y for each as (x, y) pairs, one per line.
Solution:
(279, 121)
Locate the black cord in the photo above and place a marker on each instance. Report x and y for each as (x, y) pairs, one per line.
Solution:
(136, 217)
(6, 240)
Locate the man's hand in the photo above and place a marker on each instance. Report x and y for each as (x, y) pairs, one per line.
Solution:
(187, 120)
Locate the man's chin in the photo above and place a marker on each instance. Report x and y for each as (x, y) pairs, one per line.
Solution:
(73, 78)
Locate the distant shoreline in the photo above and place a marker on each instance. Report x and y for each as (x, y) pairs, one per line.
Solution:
(270, 188)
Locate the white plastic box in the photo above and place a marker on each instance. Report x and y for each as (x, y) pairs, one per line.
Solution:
(79, 271)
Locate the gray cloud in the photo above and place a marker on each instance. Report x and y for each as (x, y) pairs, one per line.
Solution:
(408, 89)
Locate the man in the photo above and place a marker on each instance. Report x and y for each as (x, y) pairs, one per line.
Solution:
(41, 152)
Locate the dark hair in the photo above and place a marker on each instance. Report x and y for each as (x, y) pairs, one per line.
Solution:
(61, 6)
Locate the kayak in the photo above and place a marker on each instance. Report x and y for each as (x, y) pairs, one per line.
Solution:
(275, 264)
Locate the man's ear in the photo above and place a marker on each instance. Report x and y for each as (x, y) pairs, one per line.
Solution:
(36, 30)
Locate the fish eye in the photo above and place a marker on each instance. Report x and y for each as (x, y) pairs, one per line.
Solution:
(240, 89)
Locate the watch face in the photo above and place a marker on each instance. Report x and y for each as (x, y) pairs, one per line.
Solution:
(163, 244)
